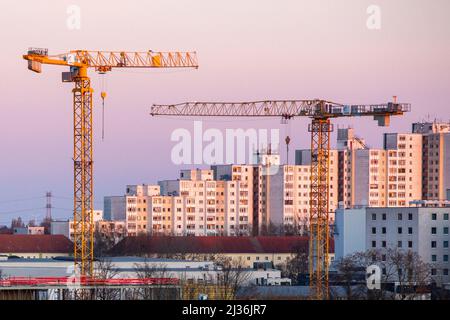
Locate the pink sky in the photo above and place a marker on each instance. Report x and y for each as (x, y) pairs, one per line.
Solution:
(247, 50)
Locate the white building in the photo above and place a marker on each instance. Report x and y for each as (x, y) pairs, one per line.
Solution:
(128, 267)
(350, 231)
(423, 229)
(35, 230)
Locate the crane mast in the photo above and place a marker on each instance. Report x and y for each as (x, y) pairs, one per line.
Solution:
(79, 61)
(321, 112)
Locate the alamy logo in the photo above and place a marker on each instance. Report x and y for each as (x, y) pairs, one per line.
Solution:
(373, 277)
(238, 145)
(374, 20)
(73, 281)
(73, 21)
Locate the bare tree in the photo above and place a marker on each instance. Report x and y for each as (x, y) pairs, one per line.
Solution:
(410, 272)
(231, 277)
(271, 230)
(104, 270)
(297, 265)
(403, 268)
(158, 291)
(46, 223)
(347, 267)
(303, 225)
(31, 223)
(17, 223)
(102, 243)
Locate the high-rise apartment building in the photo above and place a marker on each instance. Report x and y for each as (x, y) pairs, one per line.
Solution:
(289, 194)
(361, 171)
(198, 201)
(239, 195)
(411, 166)
(391, 176)
(436, 159)
(404, 168)
(131, 208)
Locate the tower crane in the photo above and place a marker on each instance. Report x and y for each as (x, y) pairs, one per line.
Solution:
(79, 61)
(321, 112)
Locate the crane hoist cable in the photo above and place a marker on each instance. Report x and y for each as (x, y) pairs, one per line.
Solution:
(286, 121)
(103, 96)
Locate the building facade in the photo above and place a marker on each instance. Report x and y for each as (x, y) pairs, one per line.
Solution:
(436, 159)
(422, 228)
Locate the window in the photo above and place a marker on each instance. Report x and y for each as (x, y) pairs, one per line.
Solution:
(445, 258)
(399, 230)
(383, 244)
(445, 271)
(399, 244)
(445, 216)
(383, 216)
(400, 216)
(445, 244)
(374, 244)
(433, 258)
(374, 216)
(374, 230)
(433, 272)
(410, 230)
(445, 230)
(410, 244)
(383, 230)
(410, 216)
(433, 216)
(433, 244)
(433, 230)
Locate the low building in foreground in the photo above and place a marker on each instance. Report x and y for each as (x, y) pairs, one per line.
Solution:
(422, 228)
(274, 250)
(186, 271)
(35, 246)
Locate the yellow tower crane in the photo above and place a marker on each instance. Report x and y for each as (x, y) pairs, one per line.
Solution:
(320, 111)
(79, 61)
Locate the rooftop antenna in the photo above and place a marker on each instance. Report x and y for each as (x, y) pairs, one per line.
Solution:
(287, 140)
(48, 215)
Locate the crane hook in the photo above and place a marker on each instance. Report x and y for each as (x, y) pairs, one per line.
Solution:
(103, 95)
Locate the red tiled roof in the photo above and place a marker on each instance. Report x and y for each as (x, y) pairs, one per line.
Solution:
(23, 243)
(165, 245)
